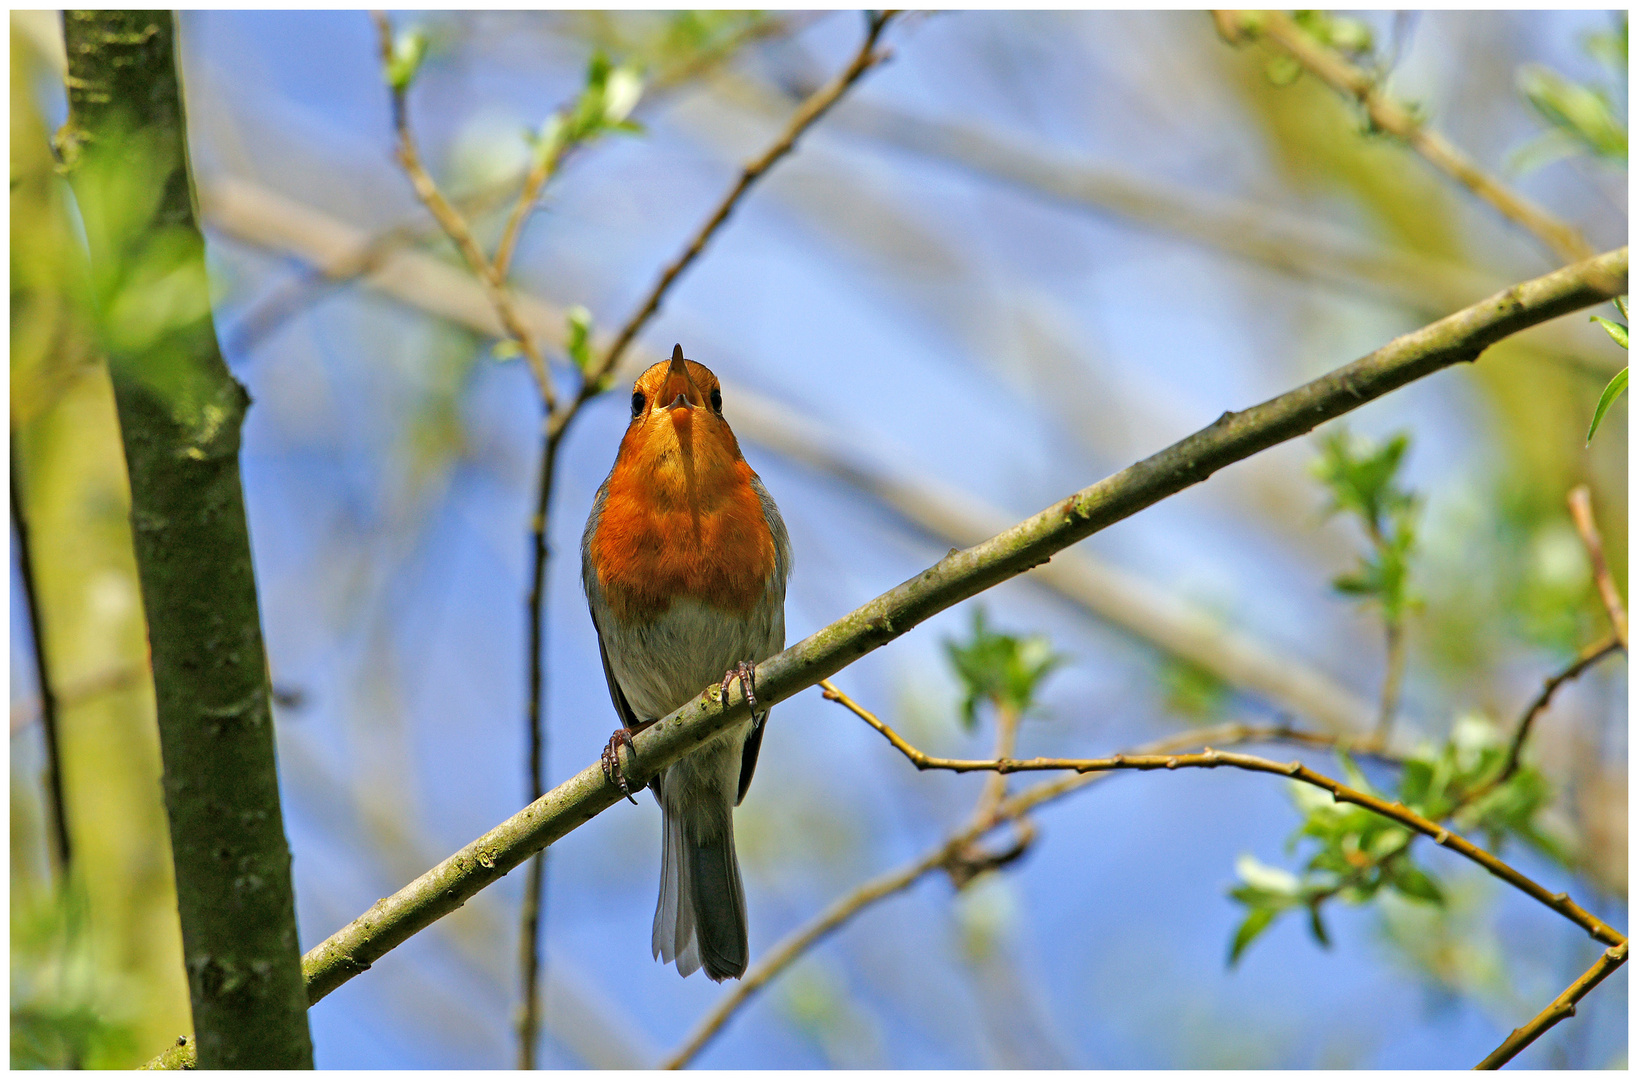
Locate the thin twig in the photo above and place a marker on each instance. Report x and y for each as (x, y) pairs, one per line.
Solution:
(1589, 656)
(1212, 759)
(808, 113)
(1563, 1006)
(1561, 238)
(799, 941)
(535, 883)
(1358, 746)
(62, 849)
(455, 226)
(1580, 500)
(1392, 680)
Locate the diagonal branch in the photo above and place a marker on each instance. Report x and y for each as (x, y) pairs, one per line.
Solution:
(961, 574)
(807, 114)
(1580, 500)
(1563, 1006)
(1589, 656)
(1331, 67)
(453, 224)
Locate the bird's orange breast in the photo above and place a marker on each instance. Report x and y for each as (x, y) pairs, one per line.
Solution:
(681, 521)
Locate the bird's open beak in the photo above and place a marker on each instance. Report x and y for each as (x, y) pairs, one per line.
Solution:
(679, 388)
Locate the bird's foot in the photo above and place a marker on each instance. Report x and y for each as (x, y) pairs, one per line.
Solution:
(745, 672)
(613, 771)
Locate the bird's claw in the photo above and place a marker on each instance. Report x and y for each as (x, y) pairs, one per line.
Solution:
(613, 772)
(745, 672)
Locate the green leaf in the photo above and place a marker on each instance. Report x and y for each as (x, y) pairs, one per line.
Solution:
(579, 343)
(1190, 689)
(1316, 926)
(506, 349)
(1410, 880)
(1579, 111)
(1605, 400)
(1283, 71)
(1614, 329)
(1000, 670)
(409, 48)
(1255, 922)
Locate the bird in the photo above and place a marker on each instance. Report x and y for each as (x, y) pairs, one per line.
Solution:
(684, 561)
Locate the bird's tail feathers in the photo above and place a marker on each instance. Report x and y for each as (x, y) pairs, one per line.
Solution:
(700, 919)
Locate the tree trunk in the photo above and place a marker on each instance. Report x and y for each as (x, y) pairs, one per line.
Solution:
(180, 412)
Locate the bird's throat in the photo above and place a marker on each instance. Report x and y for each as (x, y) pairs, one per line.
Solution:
(681, 519)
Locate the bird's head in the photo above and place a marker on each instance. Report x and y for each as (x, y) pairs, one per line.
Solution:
(676, 412)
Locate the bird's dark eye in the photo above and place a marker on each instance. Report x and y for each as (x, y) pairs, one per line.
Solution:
(637, 403)
(716, 400)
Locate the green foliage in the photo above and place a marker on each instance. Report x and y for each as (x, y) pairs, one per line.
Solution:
(1350, 37)
(1338, 32)
(603, 107)
(1354, 854)
(1362, 480)
(1000, 670)
(409, 49)
(1581, 118)
(579, 341)
(1618, 385)
(1191, 690)
(62, 1013)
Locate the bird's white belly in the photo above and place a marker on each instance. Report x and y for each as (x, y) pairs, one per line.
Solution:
(663, 664)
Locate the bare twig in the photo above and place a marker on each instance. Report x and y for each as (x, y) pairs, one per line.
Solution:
(1589, 656)
(1563, 1006)
(799, 941)
(62, 849)
(1561, 238)
(455, 226)
(1580, 500)
(805, 116)
(1212, 759)
(1392, 680)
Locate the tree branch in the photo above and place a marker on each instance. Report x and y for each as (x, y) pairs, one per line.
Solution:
(1295, 770)
(180, 414)
(806, 115)
(1580, 500)
(1235, 436)
(1561, 238)
(1563, 1006)
(1589, 656)
(455, 226)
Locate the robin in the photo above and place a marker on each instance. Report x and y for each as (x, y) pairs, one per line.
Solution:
(684, 561)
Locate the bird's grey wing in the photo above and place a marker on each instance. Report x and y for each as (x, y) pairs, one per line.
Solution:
(776, 597)
(747, 763)
(617, 695)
